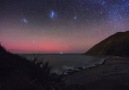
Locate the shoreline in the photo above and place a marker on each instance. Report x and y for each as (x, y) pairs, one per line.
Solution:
(114, 70)
(81, 68)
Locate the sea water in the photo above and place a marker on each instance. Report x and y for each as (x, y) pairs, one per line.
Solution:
(61, 63)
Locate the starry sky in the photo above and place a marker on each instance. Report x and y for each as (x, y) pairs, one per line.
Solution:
(60, 26)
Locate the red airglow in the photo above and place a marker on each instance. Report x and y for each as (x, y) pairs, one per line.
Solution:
(39, 48)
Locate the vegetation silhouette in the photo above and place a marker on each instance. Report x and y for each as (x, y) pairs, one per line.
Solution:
(18, 73)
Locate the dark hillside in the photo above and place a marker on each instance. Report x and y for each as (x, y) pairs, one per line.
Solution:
(117, 45)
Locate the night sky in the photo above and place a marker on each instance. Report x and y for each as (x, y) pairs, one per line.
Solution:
(55, 26)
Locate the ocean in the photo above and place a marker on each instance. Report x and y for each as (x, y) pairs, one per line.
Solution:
(62, 63)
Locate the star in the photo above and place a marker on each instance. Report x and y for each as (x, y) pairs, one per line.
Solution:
(75, 17)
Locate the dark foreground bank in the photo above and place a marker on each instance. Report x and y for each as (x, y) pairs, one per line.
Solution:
(17, 73)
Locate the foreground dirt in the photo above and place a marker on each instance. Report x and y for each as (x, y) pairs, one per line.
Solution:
(112, 75)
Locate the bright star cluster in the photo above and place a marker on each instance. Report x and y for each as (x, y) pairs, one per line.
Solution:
(53, 15)
(52, 26)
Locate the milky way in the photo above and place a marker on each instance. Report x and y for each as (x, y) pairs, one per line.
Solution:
(54, 26)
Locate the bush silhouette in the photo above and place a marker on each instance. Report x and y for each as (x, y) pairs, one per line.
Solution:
(18, 73)
(42, 75)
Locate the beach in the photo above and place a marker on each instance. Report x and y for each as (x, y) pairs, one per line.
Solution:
(111, 75)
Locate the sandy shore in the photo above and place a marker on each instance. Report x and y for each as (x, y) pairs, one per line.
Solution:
(113, 74)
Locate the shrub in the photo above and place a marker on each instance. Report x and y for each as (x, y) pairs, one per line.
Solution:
(43, 77)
